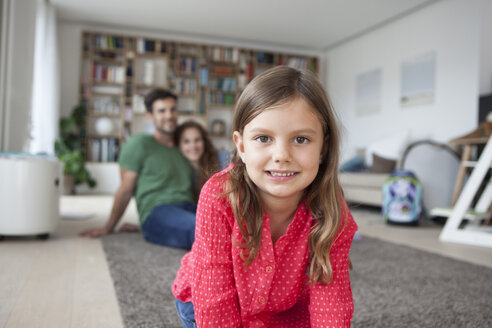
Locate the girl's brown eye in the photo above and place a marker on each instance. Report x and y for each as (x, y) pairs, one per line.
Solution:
(301, 140)
(263, 139)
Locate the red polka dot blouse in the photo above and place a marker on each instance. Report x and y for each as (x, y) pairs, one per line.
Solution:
(273, 291)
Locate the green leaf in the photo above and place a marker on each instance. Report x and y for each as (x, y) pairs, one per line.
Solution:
(69, 147)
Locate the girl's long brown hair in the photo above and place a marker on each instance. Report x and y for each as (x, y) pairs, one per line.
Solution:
(208, 163)
(274, 87)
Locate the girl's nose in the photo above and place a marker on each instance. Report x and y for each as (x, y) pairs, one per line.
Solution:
(281, 153)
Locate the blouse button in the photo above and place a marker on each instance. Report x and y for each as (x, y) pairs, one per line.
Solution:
(268, 269)
(261, 299)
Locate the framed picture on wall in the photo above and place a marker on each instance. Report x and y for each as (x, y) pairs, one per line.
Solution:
(418, 79)
(218, 128)
(368, 92)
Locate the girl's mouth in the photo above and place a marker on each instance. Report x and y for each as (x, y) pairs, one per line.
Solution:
(281, 174)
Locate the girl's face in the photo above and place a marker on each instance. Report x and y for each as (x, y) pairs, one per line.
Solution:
(191, 144)
(282, 148)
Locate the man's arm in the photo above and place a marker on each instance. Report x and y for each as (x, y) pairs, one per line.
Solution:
(121, 199)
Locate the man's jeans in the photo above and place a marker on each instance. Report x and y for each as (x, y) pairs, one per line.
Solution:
(186, 313)
(171, 225)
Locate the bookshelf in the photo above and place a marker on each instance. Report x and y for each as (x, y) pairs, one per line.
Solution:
(118, 70)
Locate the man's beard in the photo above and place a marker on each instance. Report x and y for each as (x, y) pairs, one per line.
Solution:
(166, 131)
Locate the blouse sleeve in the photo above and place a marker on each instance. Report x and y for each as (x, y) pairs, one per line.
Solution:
(214, 294)
(332, 305)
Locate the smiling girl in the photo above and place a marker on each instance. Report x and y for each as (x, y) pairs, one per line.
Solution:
(273, 231)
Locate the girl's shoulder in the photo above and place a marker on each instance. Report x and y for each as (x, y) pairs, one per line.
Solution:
(218, 181)
(214, 197)
(348, 227)
(215, 187)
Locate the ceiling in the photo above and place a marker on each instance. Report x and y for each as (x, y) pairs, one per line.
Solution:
(306, 24)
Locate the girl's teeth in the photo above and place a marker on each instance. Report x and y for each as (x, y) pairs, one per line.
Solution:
(275, 174)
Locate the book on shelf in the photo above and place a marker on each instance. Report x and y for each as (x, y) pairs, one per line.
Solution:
(223, 70)
(108, 42)
(105, 104)
(104, 150)
(250, 71)
(221, 54)
(243, 61)
(144, 45)
(235, 55)
(188, 65)
(95, 150)
(186, 85)
(151, 71)
(221, 98)
(106, 89)
(108, 73)
(128, 114)
(223, 83)
(138, 104)
(265, 57)
(203, 76)
(129, 69)
(126, 132)
(128, 89)
(163, 47)
(201, 108)
(297, 62)
(242, 81)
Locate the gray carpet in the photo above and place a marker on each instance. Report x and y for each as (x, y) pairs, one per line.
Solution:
(394, 286)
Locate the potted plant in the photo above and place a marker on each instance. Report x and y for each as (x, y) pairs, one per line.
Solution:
(69, 149)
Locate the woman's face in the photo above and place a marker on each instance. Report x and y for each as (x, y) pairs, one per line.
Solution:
(191, 144)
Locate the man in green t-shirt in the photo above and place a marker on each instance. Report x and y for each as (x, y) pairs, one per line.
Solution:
(160, 178)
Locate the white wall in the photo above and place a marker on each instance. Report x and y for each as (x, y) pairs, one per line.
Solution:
(452, 30)
(18, 74)
(486, 47)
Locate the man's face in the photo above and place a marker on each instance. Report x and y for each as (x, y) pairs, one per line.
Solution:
(164, 115)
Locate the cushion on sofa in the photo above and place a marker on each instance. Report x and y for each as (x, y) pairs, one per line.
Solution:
(381, 165)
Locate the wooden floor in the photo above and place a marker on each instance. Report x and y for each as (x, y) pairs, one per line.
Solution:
(65, 282)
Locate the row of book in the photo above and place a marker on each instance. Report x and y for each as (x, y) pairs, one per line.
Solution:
(184, 85)
(298, 62)
(221, 98)
(225, 54)
(144, 45)
(265, 57)
(108, 42)
(242, 81)
(222, 70)
(104, 150)
(203, 76)
(106, 105)
(224, 84)
(108, 73)
(188, 65)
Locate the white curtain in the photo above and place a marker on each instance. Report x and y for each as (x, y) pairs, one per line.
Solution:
(46, 88)
(4, 37)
